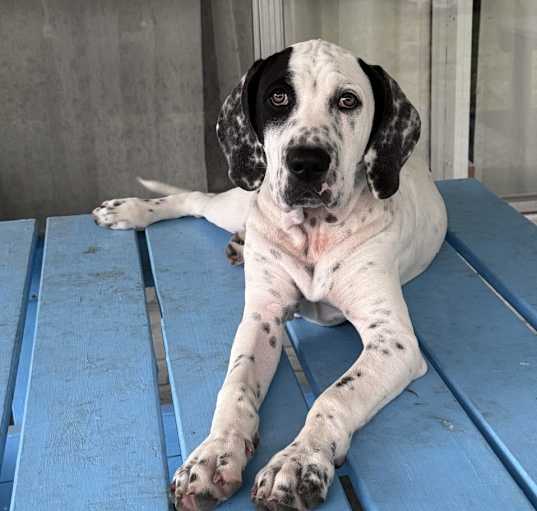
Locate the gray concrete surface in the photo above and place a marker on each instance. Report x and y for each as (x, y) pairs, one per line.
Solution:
(95, 93)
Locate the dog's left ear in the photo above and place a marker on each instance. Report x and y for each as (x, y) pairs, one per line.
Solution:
(395, 132)
(241, 146)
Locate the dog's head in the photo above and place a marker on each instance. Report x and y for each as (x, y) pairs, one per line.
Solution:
(312, 120)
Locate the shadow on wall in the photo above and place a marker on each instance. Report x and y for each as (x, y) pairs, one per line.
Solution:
(93, 94)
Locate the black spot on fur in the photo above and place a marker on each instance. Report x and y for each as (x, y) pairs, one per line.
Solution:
(331, 218)
(275, 293)
(344, 381)
(399, 346)
(272, 341)
(266, 328)
(333, 448)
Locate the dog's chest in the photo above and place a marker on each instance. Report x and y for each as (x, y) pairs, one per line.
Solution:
(317, 235)
(313, 244)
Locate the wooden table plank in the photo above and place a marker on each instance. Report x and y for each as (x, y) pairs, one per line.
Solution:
(421, 452)
(17, 240)
(201, 298)
(92, 432)
(10, 456)
(21, 383)
(497, 241)
(5, 492)
(486, 353)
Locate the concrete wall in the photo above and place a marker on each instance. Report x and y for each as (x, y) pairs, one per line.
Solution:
(94, 93)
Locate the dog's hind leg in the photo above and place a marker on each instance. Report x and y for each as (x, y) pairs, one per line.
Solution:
(227, 210)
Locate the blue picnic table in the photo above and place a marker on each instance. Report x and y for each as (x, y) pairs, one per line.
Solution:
(82, 427)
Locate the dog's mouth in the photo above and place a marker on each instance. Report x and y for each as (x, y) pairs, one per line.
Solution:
(299, 195)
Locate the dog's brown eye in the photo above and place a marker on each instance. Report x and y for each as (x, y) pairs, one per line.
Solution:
(348, 101)
(279, 98)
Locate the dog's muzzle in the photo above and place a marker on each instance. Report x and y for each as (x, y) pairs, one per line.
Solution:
(308, 168)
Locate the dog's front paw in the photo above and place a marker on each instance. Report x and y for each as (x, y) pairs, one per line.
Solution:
(296, 478)
(212, 473)
(130, 213)
(235, 249)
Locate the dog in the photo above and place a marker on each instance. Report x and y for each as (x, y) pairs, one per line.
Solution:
(336, 220)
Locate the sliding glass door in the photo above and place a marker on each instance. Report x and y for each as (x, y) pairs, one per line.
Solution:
(505, 111)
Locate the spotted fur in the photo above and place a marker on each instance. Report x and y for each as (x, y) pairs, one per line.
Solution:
(336, 246)
(395, 132)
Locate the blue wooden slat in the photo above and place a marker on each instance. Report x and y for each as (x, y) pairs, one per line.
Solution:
(17, 240)
(421, 452)
(488, 356)
(497, 240)
(21, 383)
(201, 298)
(7, 472)
(5, 492)
(171, 436)
(92, 432)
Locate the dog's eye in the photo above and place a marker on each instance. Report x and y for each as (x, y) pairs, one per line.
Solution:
(348, 101)
(279, 98)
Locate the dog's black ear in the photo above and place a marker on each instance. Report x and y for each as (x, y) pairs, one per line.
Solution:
(395, 132)
(244, 152)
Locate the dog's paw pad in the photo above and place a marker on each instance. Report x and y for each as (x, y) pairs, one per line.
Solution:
(296, 478)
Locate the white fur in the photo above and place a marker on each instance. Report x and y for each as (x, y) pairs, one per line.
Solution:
(356, 264)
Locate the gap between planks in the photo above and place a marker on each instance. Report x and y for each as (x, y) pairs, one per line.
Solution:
(7, 464)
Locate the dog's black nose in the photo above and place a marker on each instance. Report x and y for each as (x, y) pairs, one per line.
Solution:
(308, 163)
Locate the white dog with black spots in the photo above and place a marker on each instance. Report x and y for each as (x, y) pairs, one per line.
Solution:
(335, 221)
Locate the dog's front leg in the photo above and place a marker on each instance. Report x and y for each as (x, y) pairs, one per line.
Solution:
(369, 293)
(227, 210)
(213, 471)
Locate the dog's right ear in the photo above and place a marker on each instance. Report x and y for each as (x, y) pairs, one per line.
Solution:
(244, 152)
